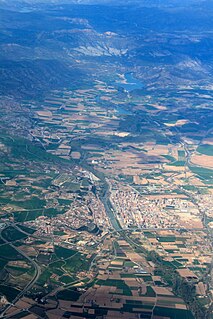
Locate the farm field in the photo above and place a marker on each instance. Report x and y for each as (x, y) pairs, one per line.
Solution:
(106, 170)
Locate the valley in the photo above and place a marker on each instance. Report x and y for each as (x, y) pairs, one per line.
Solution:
(105, 162)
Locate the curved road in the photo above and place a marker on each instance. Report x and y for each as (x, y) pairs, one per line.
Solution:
(30, 284)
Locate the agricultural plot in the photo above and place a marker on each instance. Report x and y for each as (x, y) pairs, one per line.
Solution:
(103, 152)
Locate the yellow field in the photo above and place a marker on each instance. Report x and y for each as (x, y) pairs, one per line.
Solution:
(202, 160)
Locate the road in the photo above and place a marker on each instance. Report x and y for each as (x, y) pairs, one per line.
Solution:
(32, 281)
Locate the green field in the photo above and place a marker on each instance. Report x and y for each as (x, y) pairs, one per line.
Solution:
(205, 149)
(204, 173)
(77, 263)
(69, 294)
(173, 313)
(9, 292)
(163, 239)
(150, 292)
(9, 253)
(120, 284)
(177, 163)
(27, 229)
(17, 271)
(64, 253)
(66, 279)
(33, 203)
(44, 277)
(12, 234)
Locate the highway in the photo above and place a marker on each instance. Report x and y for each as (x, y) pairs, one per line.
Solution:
(32, 281)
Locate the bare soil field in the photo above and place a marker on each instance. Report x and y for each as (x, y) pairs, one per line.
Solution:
(202, 160)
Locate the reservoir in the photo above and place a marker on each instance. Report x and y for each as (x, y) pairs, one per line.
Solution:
(130, 83)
